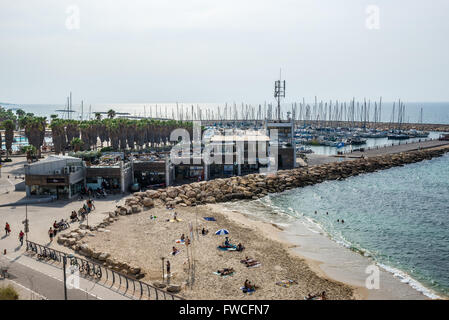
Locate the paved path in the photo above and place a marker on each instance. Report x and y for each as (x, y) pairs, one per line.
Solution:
(400, 148)
(317, 159)
(45, 281)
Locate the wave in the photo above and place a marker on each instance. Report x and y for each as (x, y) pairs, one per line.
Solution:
(317, 228)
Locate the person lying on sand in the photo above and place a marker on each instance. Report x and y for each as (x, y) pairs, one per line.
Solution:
(252, 263)
(246, 260)
(175, 251)
(226, 271)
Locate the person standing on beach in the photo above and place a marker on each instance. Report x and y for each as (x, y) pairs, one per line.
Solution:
(21, 234)
(168, 268)
(7, 228)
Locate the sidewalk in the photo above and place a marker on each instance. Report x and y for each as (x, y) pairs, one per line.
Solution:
(46, 281)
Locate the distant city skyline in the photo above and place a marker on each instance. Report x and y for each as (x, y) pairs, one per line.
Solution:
(202, 51)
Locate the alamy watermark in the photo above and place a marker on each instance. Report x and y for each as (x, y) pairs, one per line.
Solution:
(373, 280)
(72, 22)
(228, 149)
(372, 21)
(73, 277)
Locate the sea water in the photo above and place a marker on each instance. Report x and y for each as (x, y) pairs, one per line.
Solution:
(399, 217)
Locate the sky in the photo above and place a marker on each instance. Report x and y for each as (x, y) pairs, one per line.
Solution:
(133, 51)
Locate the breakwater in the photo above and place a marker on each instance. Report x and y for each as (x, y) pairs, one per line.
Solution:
(255, 186)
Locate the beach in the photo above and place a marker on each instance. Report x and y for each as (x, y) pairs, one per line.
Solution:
(142, 241)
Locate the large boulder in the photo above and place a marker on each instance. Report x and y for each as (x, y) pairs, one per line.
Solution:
(103, 256)
(148, 202)
(174, 288)
(136, 209)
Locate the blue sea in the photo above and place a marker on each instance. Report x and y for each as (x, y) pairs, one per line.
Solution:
(399, 217)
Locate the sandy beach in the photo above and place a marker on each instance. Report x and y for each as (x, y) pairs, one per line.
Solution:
(142, 241)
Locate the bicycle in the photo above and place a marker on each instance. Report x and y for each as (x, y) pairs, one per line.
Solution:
(97, 271)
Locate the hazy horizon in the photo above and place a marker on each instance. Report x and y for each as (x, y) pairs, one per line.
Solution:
(202, 51)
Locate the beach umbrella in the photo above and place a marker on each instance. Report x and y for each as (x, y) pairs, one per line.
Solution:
(221, 232)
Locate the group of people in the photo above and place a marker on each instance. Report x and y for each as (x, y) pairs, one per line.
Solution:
(8, 232)
(338, 220)
(227, 244)
(87, 207)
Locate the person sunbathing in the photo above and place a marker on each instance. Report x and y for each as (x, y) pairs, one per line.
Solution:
(246, 260)
(175, 251)
(226, 271)
(252, 263)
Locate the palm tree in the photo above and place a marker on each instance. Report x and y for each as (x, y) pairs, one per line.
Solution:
(35, 131)
(20, 113)
(98, 115)
(9, 127)
(58, 135)
(76, 144)
(111, 114)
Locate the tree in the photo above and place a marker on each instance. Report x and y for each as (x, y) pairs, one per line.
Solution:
(58, 135)
(98, 115)
(35, 131)
(8, 293)
(111, 114)
(9, 127)
(20, 113)
(76, 144)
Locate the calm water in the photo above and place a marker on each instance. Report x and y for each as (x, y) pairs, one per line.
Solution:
(398, 216)
(433, 112)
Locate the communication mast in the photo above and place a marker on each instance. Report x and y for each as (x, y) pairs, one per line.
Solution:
(279, 92)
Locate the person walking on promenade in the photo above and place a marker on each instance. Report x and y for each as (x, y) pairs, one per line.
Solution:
(51, 234)
(21, 234)
(7, 228)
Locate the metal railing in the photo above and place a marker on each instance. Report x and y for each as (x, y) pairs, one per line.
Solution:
(96, 271)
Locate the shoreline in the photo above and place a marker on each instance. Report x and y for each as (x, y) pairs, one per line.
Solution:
(300, 256)
(333, 261)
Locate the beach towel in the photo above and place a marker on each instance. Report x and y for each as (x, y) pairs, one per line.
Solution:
(180, 241)
(254, 266)
(227, 249)
(245, 290)
(177, 252)
(177, 220)
(209, 218)
(285, 283)
(219, 274)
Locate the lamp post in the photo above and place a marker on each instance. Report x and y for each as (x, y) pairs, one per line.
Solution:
(64, 262)
(163, 269)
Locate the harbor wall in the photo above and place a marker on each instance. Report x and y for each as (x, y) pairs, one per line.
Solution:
(255, 186)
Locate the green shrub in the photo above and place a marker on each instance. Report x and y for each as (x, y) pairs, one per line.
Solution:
(8, 293)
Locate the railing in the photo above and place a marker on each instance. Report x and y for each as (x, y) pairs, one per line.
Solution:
(97, 272)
